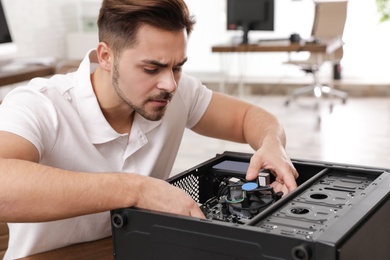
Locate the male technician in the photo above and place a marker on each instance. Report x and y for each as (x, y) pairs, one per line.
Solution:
(75, 146)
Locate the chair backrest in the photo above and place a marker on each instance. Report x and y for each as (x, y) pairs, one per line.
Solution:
(329, 21)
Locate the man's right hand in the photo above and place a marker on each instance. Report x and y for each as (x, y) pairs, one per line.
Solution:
(156, 194)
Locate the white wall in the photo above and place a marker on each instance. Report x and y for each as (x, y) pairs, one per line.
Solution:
(40, 28)
(367, 42)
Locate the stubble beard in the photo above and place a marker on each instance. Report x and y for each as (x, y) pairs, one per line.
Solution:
(156, 114)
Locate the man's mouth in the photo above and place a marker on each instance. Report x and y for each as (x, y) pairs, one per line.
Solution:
(159, 102)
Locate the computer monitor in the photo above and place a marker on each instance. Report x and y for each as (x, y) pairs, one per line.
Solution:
(250, 15)
(7, 45)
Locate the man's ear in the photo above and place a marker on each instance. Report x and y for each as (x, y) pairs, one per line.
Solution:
(105, 56)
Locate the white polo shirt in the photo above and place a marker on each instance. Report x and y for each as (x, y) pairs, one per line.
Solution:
(62, 118)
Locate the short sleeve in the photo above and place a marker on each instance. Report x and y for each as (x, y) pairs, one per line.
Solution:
(30, 114)
(196, 95)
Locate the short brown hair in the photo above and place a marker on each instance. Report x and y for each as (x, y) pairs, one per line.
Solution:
(120, 20)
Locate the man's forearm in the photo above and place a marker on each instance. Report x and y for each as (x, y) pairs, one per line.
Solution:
(30, 192)
(260, 125)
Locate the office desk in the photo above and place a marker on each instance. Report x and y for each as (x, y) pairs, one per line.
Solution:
(26, 73)
(328, 46)
(325, 47)
(96, 250)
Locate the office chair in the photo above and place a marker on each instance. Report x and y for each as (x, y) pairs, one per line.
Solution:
(329, 21)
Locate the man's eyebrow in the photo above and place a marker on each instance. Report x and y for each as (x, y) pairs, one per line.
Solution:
(163, 65)
(182, 63)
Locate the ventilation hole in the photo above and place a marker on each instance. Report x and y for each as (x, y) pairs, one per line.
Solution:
(319, 196)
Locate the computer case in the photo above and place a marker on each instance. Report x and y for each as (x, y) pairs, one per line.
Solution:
(338, 211)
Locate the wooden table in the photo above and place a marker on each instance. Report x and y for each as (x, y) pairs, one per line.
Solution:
(96, 250)
(326, 46)
(26, 73)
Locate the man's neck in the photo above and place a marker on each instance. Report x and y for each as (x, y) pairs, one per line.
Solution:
(120, 117)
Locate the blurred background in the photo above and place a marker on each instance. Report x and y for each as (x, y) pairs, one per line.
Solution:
(356, 132)
(65, 29)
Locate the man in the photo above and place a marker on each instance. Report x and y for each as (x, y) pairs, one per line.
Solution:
(75, 146)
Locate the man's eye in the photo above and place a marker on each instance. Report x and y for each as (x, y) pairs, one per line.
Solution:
(177, 69)
(150, 71)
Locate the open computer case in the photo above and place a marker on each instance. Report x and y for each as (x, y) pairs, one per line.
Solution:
(337, 212)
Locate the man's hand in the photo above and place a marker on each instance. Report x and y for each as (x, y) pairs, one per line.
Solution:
(156, 194)
(273, 157)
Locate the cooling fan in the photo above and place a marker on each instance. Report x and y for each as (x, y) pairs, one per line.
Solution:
(238, 200)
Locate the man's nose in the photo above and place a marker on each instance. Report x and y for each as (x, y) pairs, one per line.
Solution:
(168, 82)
